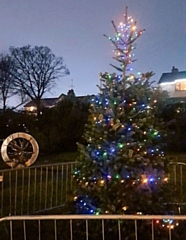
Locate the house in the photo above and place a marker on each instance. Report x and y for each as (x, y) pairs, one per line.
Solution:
(31, 107)
(174, 83)
(44, 103)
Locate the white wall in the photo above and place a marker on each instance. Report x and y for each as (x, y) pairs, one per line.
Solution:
(172, 92)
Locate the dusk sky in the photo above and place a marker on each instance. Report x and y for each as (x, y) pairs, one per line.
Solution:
(74, 30)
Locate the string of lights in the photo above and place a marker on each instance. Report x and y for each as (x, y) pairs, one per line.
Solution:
(123, 159)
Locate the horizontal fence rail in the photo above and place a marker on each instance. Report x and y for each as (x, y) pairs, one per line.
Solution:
(91, 227)
(35, 189)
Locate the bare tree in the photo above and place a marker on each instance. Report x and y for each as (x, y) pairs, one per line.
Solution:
(7, 89)
(36, 70)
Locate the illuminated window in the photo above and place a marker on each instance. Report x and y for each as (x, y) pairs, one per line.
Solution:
(31, 109)
(180, 86)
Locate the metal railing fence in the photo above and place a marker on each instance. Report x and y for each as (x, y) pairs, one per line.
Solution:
(40, 188)
(178, 176)
(91, 227)
(35, 189)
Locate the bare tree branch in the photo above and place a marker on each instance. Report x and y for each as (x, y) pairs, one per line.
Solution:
(36, 70)
(7, 88)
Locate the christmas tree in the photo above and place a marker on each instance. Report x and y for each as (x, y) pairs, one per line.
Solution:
(122, 168)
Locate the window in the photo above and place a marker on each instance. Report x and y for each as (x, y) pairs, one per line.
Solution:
(30, 109)
(180, 86)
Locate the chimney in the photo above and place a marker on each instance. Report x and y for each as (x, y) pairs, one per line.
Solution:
(174, 70)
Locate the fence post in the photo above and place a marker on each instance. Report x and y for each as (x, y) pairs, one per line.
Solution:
(1, 181)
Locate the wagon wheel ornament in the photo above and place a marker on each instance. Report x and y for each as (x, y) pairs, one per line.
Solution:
(19, 150)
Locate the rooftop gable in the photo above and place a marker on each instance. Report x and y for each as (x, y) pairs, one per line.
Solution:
(172, 76)
(45, 102)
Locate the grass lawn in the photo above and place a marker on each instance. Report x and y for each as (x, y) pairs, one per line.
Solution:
(177, 157)
(48, 158)
(57, 158)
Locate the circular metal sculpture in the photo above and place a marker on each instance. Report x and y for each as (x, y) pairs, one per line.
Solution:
(19, 150)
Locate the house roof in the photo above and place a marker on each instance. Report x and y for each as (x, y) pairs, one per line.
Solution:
(51, 102)
(172, 76)
(45, 102)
